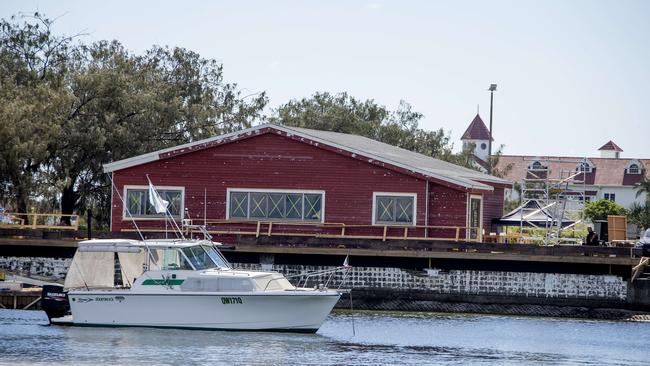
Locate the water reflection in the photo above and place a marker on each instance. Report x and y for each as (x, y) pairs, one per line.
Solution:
(381, 338)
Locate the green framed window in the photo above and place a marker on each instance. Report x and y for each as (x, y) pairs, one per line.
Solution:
(275, 205)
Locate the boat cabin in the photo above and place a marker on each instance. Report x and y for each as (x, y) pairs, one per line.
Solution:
(155, 265)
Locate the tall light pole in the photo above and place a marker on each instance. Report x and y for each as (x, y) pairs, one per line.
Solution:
(492, 89)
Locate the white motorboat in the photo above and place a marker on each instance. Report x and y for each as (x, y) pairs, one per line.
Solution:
(185, 283)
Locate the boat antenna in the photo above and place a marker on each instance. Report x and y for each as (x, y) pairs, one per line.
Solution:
(168, 214)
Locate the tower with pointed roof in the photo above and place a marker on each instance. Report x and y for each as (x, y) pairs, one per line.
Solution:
(610, 150)
(479, 135)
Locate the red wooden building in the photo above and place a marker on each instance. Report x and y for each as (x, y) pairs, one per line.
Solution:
(274, 179)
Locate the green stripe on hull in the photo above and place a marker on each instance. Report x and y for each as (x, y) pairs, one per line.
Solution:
(162, 282)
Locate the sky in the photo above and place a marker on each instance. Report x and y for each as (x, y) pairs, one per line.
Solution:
(571, 75)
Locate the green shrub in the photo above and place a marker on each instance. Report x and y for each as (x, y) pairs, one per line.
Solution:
(599, 210)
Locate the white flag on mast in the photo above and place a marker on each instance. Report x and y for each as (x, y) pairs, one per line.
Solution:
(159, 204)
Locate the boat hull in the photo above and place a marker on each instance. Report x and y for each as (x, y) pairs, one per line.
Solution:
(294, 311)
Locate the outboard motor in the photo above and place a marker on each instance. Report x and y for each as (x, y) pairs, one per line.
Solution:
(54, 301)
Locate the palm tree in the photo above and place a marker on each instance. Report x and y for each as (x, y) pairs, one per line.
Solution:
(643, 187)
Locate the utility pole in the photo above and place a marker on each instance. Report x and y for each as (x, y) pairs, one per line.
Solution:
(492, 89)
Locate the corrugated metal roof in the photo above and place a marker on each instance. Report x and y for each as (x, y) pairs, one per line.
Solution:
(423, 164)
(354, 144)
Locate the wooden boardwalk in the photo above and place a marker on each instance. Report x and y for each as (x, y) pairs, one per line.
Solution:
(362, 247)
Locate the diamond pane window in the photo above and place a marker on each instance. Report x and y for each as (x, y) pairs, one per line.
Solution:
(385, 209)
(404, 209)
(138, 204)
(294, 206)
(394, 209)
(259, 205)
(276, 206)
(313, 207)
(239, 205)
(175, 199)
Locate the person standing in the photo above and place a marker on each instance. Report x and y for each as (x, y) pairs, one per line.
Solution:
(592, 237)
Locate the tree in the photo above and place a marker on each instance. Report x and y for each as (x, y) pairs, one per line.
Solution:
(344, 113)
(599, 210)
(337, 113)
(511, 204)
(32, 94)
(125, 105)
(493, 162)
(71, 108)
(643, 187)
(639, 214)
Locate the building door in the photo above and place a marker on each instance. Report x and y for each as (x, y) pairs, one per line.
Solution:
(475, 217)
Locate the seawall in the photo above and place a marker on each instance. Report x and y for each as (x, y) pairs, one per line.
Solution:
(476, 291)
(489, 292)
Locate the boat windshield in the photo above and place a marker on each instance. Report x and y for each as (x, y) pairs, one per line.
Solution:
(204, 257)
(171, 259)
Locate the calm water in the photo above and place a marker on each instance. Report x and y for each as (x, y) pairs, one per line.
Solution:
(381, 338)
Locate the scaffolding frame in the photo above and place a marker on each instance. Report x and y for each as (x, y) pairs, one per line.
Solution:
(562, 195)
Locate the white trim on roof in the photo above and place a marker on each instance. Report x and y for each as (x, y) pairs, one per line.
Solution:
(467, 182)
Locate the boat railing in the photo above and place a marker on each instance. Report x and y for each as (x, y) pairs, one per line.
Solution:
(309, 275)
(189, 227)
(326, 272)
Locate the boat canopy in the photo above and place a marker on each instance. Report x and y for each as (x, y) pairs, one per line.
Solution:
(94, 264)
(91, 269)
